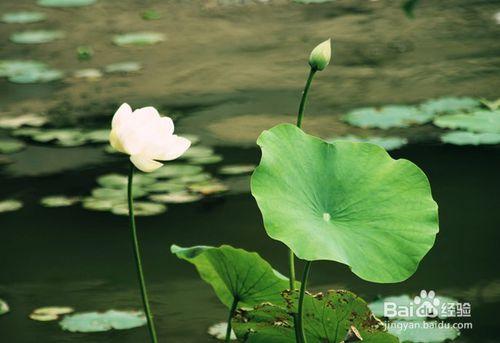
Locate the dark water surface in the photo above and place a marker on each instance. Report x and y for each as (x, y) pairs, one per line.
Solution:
(226, 72)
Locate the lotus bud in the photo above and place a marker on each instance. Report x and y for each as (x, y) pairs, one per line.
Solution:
(320, 56)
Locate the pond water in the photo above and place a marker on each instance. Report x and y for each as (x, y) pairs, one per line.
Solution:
(226, 71)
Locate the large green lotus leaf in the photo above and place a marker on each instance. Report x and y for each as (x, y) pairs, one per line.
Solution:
(235, 273)
(344, 201)
(480, 121)
(327, 319)
(448, 105)
(36, 37)
(387, 117)
(23, 17)
(422, 332)
(470, 138)
(98, 322)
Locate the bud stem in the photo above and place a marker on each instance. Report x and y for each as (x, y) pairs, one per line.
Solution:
(304, 97)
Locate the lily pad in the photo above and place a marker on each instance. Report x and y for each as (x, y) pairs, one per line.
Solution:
(209, 187)
(96, 204)
(197, 152)
(138, 38)
(36, 36)
(29, 119)
(492, 105)
(235, 273)
(346, 202)
(176, 170)
(123, 67)
(23, 17)
(63, 137)
(9, 146)
(218, 331)
(4, 307)
(422, 332)
(165, 186)
(59, 201)
(470, 138)
(181, 197)
(237, 169)
(141, 208)
(387, 117)
(119, 181)
(99, 322)
(97, 136)
(329, 318)
(388, 143)
(150, 15)
(43, 317)
(41, 76)
(480, 121)
(188, 179)
(54, 310)
(312, 1)
(28, 71)
(90, 74)
(10, 205)
(448, 105)
(207, 159)
(65, 3)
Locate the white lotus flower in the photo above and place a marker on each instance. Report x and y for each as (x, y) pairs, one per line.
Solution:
(320, 56)
(146, 137)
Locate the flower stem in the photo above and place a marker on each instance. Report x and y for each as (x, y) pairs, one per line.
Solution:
(304, 97)
(231, 315)
(137, 255)
(303, 286)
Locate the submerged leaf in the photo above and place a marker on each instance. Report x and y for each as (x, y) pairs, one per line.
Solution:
(235, 273)
(387, 117)
(328, 318)
(99, 322)
(480, 121)
(346, 202)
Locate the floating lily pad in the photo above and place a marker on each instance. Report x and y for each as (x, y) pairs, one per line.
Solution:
(480, 121)
(312, 1)
(176, 170)
(123, 67)
(206, 160)
(88, 74)
(65, 3)
(235, 273)
(388, 143)
(422, 332)
(28, 119)
(97, 136)
(194, 139)
(141, 208)
(237, 169)
(209, 187)
(23, 17)
(99, 322)
(198, 152)
(28, 71)
(119, 181)
(43, 317)
(10, 205)
(84, 53)
(387, 117)
(116, 195)
(59, 201)
(218, 331)
(4, 307)
(196, 178)
(328, 318)
(440, 305)
(448, 105)
(96, 204)
(492, 105)
(63, 137)
(36, 36)
(55, 310)
(470, 138)
(9, 146)
(165, 186)
(181, 197)
(333, 194)
(138, 38)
